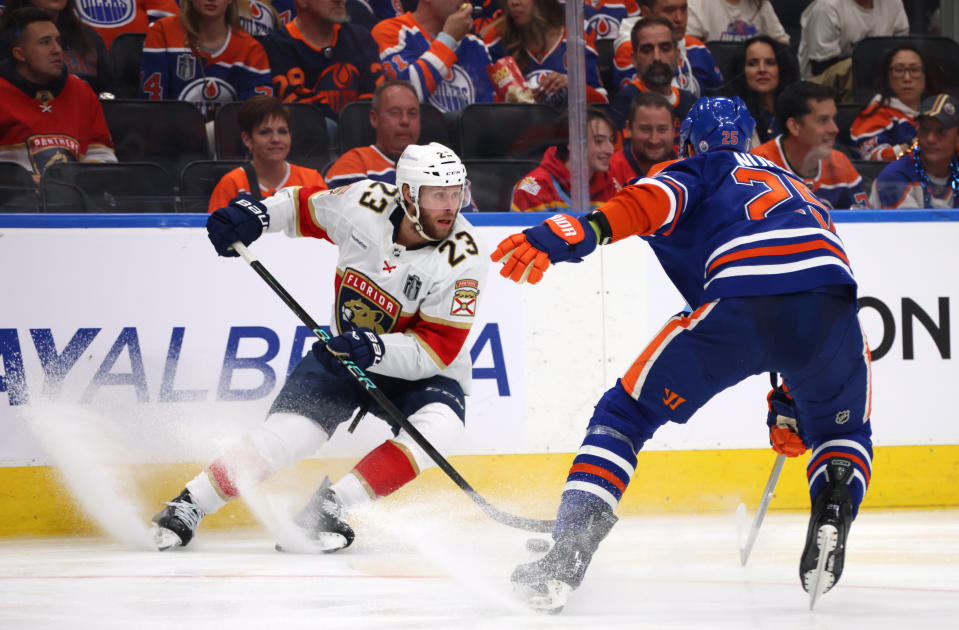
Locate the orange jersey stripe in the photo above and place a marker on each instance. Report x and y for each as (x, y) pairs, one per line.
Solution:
(858, 460)
(631, 379)
(599, 472)
(638, 209)
(777, 250)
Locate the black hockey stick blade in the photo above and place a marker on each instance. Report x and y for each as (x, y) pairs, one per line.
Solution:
(394, 415)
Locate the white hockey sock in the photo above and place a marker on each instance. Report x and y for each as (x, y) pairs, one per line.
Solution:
(351, 493)
(204, 493)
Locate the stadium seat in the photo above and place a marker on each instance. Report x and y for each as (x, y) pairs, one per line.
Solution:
(492, 181)
(869, 170)
(354, 128)
(125, 53)
(198, 179)
(942, 54)
(845, 115)
(311, 145)
(723, 53)
(496, 131)
(107, 187)
(17, 191)
(168, 133)
(789, 13)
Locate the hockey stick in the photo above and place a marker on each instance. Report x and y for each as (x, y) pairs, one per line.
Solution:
(395, 415)
(761, 510)
(745, 550)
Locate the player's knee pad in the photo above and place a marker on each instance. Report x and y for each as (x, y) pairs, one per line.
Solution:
(619, 411)
(286, 438)
(442, 428)
(282, 440)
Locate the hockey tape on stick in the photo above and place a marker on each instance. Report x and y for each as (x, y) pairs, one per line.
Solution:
(394, 415)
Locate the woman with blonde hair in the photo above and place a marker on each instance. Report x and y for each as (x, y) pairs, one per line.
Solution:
(203, 57)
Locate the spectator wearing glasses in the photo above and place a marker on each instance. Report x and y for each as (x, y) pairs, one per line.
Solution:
(886, 128)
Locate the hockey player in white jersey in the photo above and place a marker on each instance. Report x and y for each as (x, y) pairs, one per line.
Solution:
(409, 275)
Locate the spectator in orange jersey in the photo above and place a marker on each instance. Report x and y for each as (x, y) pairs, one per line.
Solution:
(655, 55)
(322, 59)
(395, 115)
(110, 18)
(547, 187)
(650, 141)
(265, 130)
(886, 128)
(805, 147)
(696, 71)
(84, 53)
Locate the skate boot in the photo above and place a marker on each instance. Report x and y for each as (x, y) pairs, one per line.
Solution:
(320, 525)
(545, 584)
(175, 525)
(822, 557)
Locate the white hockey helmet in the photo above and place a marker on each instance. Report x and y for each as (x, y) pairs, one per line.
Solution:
(428, 165)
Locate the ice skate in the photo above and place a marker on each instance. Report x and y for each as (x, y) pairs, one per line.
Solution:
(321, 525)
(175, 525)
(546, 583)
(822, 558)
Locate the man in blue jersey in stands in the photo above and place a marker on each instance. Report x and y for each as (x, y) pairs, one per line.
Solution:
(756, 256)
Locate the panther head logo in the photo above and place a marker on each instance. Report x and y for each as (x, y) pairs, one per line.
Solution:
(362, 316)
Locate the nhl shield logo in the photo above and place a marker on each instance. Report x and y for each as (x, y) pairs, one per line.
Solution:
(842, 417)
(186, 67)
(360, 303)
(412, 288)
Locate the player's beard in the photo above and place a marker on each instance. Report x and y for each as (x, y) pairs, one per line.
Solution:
(658, 75)
(435, 231)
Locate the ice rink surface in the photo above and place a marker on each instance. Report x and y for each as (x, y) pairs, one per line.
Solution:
(424, 568)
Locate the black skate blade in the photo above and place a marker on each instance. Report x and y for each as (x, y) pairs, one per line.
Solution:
(323, 542)
(165, 539)
(818, 581)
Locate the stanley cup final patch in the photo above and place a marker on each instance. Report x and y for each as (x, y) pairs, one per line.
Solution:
(464, 298)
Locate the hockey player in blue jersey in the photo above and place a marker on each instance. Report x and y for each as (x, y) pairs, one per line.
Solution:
(756, 256)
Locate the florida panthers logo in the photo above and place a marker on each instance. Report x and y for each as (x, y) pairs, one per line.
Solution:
(455, 92)
(362, 304)
(107, 12)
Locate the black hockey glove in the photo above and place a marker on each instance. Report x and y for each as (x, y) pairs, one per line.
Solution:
(361, 347)
(243, 220)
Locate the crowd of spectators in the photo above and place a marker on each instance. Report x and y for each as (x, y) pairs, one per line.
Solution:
(647, 61)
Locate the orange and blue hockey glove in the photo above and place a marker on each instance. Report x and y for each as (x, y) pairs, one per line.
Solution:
(783, 428)
(561, 238)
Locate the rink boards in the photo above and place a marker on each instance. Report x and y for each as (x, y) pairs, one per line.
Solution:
(127, 345)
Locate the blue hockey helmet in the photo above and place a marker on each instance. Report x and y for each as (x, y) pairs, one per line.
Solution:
(717, 122)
